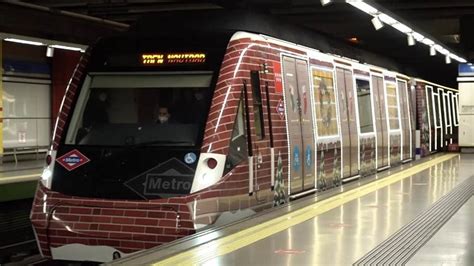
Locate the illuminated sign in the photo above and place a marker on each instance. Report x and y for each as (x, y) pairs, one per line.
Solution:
(173, 58)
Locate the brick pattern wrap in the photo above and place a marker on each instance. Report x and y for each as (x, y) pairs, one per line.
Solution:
(422, 123)
(69, 97)
(395, 149)
(367, 155)
(128, 226)
(328, 164)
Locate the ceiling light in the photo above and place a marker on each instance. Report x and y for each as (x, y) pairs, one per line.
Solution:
(402, 27)
(363, 6)
(23, 41)
(411, 40)
(461, 60)
(448, 59)
(49, 51)
(428, 41)
(418, 37)
(441, 49)
(67, 47)
(325, 2)
(432, 50)
(377, 23)
(387, 19)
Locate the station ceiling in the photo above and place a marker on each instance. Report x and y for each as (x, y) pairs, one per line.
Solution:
(446, 21)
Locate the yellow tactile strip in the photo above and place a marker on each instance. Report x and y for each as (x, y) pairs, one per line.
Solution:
(248, 236)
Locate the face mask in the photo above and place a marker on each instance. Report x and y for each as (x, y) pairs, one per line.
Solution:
(198, 96)
(102, 97)
(163, 119)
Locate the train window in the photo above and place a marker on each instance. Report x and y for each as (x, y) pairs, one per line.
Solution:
(257, 105)
(365, 106)
(139, 109)
(238, 143)
(325, 103)
(437, 112)
(392, 106)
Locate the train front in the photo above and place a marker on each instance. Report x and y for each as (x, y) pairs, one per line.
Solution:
(127, 147)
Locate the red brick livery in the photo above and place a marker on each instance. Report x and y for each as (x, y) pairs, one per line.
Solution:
(132, 225)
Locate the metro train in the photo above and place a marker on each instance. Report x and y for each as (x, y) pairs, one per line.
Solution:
(160, 136)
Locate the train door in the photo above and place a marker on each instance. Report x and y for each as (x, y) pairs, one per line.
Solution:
(350, 138)
(300, 124)
(438, 128)
(393, 113)
(431, 118)
(442, 114)
(405, 119)
(380, 122)
(454, 118)
(447, 118)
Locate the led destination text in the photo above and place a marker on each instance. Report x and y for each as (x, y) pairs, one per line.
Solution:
(173, 58)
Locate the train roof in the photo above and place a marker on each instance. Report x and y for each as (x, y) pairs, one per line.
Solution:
(230, 21)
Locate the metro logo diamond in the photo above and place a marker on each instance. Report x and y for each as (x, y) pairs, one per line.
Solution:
(72, 160)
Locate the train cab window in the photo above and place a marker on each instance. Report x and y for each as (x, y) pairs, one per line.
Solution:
(161, 109)
(238, 142)
(257, 105)
(366, 122)
(392, 106)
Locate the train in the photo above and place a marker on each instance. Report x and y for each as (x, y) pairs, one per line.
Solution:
(163, 133)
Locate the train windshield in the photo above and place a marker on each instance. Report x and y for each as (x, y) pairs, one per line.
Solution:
(134, 109)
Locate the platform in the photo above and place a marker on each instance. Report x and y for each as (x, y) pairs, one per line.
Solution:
(18, 180)
(393, 217)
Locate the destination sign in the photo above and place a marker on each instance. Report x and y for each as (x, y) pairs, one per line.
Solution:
(154, 59)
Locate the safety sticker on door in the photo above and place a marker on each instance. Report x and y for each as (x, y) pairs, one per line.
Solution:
(72, 160)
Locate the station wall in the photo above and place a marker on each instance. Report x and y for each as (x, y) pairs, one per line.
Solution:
(32, 88)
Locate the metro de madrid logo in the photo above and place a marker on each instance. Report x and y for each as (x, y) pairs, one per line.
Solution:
(72, 160)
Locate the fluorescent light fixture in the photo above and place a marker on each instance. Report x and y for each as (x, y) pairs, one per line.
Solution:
(377, 23)
(363, 6)
(458, 58)
(441, 49)
(49, 51)
(387, 19)
(402, 27)
(380, 19)
(428, 41)
(24, 41)
(66, 47)
(325, 2)
(418, 37)
(411, 40)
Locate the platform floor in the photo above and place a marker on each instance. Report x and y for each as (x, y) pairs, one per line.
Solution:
(344, 234)
(345, 228)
